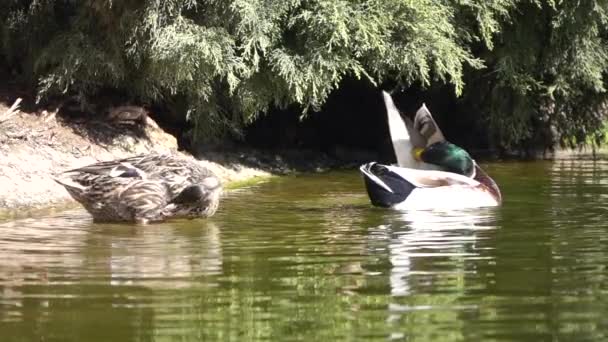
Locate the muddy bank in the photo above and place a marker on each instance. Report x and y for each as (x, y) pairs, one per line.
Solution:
(35, 145)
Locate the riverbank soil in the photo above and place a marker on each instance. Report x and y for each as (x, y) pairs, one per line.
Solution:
(36, 144)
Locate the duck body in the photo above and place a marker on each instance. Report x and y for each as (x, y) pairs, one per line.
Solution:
(431, 172)
(144, 188)
(405, 188)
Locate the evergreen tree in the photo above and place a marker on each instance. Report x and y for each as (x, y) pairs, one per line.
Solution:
(222, 62)
(545, 81)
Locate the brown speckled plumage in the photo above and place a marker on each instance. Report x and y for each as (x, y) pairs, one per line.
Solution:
(144, 188)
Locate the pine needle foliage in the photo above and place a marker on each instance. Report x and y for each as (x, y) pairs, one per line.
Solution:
(547, 79)
(223, 62)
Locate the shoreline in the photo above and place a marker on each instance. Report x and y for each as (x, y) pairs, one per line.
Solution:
(35, 146)
(21, 202)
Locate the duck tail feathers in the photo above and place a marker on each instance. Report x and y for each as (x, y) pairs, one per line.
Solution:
(366, 170)
(72, 187)
(385, 187)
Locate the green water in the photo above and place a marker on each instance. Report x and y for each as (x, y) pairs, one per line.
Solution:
(307, 258)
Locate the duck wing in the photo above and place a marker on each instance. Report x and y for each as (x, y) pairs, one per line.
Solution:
(173, 169)
(403, 134)
(175, 172)
(433, 178)
(440, 189)
(105, 167)
(406, 135)
(147, 163)
(119, 198)
(178, 173)
(142, 201)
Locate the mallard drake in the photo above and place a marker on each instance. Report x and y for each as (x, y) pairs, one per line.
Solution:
(144, 188)
(431, 172)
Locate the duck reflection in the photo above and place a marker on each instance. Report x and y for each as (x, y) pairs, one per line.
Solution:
(426, 243)
(164, 257)
(65, 261)
(33, 250)
(44, 249)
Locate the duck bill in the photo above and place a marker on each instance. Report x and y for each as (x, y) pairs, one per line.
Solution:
(385, 188)
(417, 153)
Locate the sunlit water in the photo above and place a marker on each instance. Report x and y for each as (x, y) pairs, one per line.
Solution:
(307, 258)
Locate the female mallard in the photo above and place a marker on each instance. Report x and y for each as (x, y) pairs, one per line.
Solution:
(144, 188)
(431, 172)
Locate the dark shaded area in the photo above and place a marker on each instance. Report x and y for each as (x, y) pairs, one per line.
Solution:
(352, 124)
(351, 127)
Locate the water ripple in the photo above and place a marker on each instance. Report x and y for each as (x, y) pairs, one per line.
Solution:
(307, 257)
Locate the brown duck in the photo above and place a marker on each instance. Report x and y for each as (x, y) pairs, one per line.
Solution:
(144, 188)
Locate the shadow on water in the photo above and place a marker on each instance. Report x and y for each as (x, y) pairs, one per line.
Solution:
(307, 257)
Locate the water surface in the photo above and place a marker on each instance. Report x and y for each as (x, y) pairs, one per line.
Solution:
(307, 258)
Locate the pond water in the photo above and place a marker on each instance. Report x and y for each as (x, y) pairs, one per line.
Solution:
(306, 258)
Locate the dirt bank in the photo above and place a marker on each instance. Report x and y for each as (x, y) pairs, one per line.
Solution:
(35, 145)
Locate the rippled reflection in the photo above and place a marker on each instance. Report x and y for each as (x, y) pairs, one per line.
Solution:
(103, 275)
(449, 236)
(70, 246)
(307, 258)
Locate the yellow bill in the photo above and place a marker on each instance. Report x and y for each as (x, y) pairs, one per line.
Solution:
(417, 152)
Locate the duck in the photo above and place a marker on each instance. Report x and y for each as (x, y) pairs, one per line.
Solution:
(144, 188)
(431, 172)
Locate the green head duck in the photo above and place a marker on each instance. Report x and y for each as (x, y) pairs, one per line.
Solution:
(448, 156)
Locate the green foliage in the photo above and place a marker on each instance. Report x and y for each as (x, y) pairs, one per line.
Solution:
(528, 65)
(223, 62)
(548, 81)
